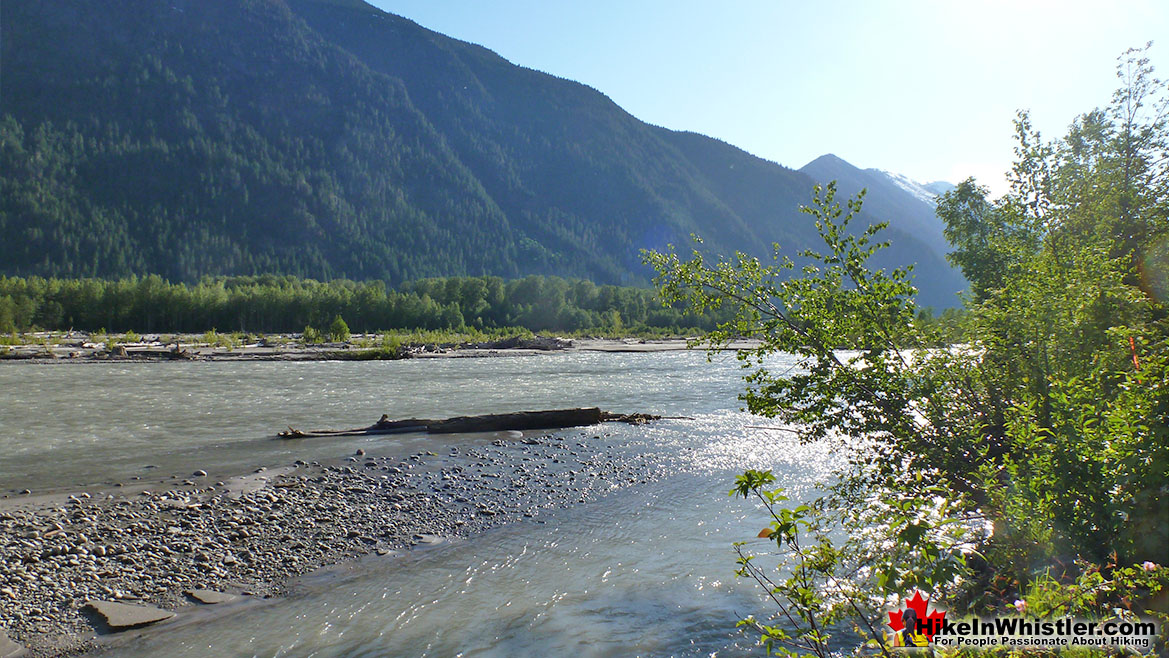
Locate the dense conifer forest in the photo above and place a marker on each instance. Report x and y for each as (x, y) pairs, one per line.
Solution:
(288, 304)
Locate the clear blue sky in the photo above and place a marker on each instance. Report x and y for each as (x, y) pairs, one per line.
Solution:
(923, 88)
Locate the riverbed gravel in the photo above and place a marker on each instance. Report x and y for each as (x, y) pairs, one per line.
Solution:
(252, 534)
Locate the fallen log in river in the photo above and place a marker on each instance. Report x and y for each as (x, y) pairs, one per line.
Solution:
(522, 420)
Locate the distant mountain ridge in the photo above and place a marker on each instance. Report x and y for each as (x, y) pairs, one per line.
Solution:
(939, 187)
(922, 192)
(328, 138)
(904, 203)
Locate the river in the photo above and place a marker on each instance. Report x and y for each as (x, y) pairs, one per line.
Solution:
(646, 571)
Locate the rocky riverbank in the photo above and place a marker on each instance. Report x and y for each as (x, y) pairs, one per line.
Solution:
(83, 348)
(173, 545)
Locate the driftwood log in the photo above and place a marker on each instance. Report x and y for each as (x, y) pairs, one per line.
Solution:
(522, 420)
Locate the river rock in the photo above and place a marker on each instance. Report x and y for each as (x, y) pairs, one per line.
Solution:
(121, 616)
(210, 597)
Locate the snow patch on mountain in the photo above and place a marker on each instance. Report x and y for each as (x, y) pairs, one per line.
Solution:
(909, 185)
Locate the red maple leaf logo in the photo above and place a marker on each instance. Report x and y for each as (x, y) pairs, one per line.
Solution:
(930, 623)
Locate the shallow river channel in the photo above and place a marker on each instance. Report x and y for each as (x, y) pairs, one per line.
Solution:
(645, 571)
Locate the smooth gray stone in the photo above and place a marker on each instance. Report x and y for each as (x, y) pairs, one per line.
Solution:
(124, 615)
(210, 597)
(8, 648)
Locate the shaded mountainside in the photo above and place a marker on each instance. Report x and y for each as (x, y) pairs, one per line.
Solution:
(907, 206)
(903, 203)
(330, 139)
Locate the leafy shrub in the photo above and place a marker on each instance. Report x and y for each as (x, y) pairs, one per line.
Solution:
(312, 336)
(339, 331)
(1024, 468)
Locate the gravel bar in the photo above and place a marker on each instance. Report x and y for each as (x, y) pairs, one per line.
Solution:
(250, 535)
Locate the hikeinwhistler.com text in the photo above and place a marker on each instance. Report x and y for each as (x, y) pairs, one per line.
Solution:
(1019, 632)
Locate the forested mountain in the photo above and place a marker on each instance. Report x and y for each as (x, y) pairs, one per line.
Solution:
(904, 203)
(328, 138)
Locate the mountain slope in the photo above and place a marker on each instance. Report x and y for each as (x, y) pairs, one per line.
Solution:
(216, 138)
(905, 204)
(908, 207)
(328, 138)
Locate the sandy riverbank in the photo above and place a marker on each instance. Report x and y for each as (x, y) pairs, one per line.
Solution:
(251, 535)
